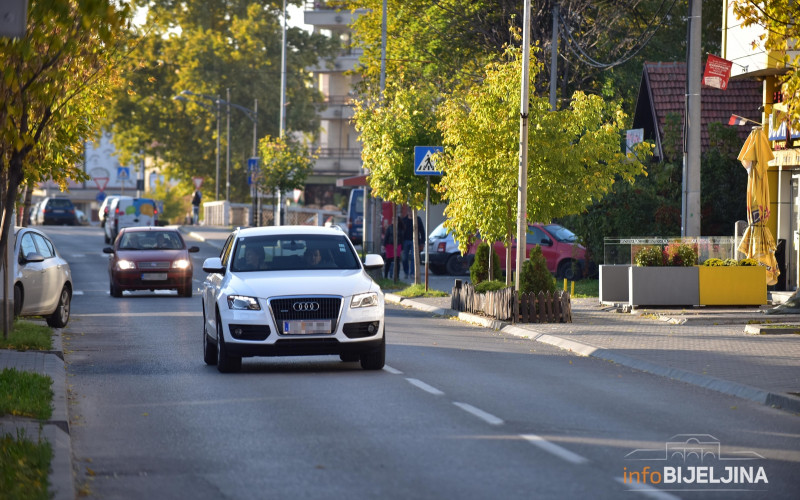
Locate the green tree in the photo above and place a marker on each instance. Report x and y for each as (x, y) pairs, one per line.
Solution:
(56, 82)
(390, 129)
(574, 155)
(209, 47)
(285, 164)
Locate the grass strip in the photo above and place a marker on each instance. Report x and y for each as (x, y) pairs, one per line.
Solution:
(26, 335)
(24, 467)
(419, 291)
(25, 394)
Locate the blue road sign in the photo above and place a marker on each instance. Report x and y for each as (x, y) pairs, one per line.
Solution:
(123, 173)
(423, 163)
(101, 196)
(252, 164)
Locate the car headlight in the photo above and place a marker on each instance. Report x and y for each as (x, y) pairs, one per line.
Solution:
(241, 302)
(364, 300)
(125, 265)
(181, 264)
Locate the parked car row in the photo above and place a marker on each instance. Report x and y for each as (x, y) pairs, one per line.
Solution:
(565, 257)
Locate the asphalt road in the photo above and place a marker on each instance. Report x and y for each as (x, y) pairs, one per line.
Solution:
(459, 412)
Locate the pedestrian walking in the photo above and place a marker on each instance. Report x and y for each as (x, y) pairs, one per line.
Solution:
(198, 196)
(391, 248)
(408, 241)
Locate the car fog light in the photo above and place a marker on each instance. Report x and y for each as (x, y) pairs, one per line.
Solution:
(372, 328)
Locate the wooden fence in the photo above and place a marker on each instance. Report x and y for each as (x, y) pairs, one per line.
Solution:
(501, 304)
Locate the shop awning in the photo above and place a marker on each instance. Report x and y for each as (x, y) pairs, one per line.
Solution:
(358, 180)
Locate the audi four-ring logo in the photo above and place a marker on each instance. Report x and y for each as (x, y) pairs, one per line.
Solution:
(305, 306)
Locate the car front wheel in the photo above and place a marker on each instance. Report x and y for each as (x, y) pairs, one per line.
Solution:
(225, 362)
(374, 360)
(60, 316)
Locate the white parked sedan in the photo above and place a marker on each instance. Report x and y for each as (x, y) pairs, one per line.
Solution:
(291, 291)
(42, 279)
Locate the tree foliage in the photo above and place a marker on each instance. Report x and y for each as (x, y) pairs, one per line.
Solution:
(574, 155)
(56, 82)
(285, 164)
(207, 48)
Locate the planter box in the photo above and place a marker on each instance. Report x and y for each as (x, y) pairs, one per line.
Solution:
(664, 286)
(614, 284)
(733, 285)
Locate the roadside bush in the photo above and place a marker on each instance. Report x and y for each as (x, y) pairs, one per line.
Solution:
(535, 277)
(489, 286)
(479, 271)
(649, 256)
(680, 255)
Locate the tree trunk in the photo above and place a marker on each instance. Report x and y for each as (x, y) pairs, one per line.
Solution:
(491, 260)
(26, 207)
(508, 265)
(8, 194)
(395, 235)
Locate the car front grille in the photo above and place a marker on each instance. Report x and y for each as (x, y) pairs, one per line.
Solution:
(305, 308)
(153, 265)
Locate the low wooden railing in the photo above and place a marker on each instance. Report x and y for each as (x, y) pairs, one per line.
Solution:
(505, 306)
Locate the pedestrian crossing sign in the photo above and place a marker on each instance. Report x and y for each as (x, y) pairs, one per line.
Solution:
(423, 163)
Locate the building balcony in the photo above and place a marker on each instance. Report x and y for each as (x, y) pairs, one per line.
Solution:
(321, 15)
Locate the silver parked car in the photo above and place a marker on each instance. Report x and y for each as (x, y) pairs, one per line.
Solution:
(42, 279)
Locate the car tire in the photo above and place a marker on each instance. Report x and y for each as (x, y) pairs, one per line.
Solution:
(18, 298)
(106, 239)
(114, 290)
(569, 270)
(225, 362)
(457, 265)
(186, 290)
(437, 270)
(209, 348)
(349, 357)
(375, 360)
(60, 316)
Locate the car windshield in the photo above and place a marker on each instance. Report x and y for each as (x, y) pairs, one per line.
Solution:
(59, 203)
(151, 240)
(561, 233)
(440, 232)
(297, 252)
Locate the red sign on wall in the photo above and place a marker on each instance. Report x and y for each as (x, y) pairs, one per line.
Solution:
(718, 72)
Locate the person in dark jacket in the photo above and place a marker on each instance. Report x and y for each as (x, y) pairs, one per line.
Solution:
(408, 241)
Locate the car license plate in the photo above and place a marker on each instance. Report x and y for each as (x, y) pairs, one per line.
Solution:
(154, 276)
(306, 326)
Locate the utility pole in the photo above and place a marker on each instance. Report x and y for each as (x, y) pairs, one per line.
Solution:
(554, 59)
(282, 125)
(690, 210)
(524, 108)
(228, 152)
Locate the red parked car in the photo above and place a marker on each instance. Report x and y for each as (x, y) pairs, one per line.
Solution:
(150, 258)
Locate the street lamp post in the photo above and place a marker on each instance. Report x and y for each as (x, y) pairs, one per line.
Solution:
(215, 100)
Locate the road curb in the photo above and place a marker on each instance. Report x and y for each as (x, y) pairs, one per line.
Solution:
(736, 389)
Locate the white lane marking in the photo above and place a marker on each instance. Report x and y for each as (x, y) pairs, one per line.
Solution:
(425, 387)
(78, 256)
(393, 371)
(486, 417)
(556, 450)
(77, 292)
(647, 490)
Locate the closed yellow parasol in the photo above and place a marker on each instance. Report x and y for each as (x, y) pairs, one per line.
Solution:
(757, 242)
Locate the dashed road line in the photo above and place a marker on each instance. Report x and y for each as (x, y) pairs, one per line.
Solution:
(486, 417)
(425, 387)
(393, 371)
(554, 449)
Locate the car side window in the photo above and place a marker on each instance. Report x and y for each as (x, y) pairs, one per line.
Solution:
(225, 255)
(26, 246)
(538, 235)
(44, 249)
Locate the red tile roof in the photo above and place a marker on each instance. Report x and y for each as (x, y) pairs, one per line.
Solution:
(666, 84)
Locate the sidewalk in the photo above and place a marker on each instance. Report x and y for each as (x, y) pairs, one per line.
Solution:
(55, 430)
(707, 347)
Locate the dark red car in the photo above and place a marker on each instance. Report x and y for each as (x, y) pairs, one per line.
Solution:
(150, 258)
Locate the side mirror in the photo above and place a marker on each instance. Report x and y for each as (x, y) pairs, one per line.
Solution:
(213, 265)
(373, 261)
(33, 257)
(108, 250)
(194, 249)
(547, 242)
